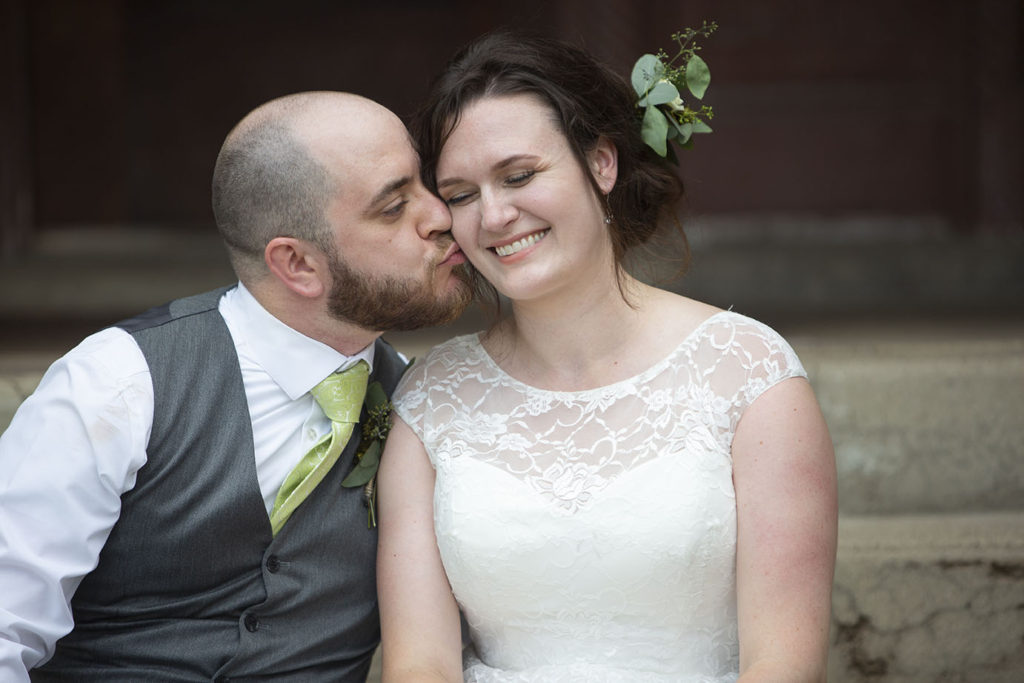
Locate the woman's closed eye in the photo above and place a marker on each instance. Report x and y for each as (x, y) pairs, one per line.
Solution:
(458, 198)
(515, 180)
(520, 178)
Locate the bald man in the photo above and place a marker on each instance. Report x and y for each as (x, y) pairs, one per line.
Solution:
(141, 527)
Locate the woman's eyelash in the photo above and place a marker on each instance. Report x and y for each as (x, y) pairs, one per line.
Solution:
(457, 199)
(517, 179)
(520, 178)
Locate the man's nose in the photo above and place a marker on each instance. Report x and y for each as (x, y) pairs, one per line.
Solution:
(436, 217)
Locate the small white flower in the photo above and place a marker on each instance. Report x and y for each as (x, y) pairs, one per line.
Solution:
(571, 483)
(658, 399)
(537, 403)
(485, 428)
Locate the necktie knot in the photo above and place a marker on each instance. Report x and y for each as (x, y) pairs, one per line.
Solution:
(340, 395)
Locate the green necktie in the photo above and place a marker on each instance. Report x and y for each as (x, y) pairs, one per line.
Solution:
(340, 396)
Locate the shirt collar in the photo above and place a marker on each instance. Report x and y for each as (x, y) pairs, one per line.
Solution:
(297, 363)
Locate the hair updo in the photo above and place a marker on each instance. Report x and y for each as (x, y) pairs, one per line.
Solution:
(588, 100)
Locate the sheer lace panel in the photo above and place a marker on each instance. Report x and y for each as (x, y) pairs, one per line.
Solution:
(568, 446)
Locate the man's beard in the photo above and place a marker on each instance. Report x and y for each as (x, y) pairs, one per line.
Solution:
(387, 303)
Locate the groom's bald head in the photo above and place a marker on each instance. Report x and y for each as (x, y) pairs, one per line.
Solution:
(278, 169)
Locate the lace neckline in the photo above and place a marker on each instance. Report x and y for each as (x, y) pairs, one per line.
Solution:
(640, 377)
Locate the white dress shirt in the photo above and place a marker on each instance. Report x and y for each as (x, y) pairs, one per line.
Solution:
(75, 446)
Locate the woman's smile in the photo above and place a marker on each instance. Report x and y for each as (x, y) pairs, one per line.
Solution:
(522, 243)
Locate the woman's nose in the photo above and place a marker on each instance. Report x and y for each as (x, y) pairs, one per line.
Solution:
(496, 213)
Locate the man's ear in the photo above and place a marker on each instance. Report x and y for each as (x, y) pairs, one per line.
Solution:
(603, 161)
(298, 265)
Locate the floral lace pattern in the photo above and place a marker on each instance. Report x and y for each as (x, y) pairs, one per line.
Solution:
(591, 535)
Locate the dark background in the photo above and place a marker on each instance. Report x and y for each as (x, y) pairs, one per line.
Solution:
(867, 158)
(114, 110)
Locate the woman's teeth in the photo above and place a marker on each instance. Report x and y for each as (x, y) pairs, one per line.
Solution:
(519, 245)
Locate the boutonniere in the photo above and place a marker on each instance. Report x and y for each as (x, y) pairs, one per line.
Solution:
(658, 81)
(374, 433)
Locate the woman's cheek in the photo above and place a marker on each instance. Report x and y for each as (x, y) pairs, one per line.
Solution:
(462, 230)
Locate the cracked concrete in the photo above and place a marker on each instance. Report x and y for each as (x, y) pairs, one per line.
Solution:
(923, 599)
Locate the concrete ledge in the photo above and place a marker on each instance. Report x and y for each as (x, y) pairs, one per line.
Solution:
(923, 599)
(823, 265)
(759, 264)
(19, 376)
(923, 424)
(108, 272)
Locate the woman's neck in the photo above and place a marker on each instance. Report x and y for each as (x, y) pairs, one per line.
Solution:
(584, 341)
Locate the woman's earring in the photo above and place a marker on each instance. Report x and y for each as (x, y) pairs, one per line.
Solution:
(607, 219)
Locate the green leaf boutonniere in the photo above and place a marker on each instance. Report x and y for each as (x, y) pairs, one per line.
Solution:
(658, 81)
(375, 430)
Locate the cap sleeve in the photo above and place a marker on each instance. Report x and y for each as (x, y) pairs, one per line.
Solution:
(741, 358)
(410, 398)
(426, 397)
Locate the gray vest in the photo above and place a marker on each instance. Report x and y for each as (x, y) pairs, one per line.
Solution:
(191, 585)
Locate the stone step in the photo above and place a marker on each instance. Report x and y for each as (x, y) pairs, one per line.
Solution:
(760, 264)
(919, 599)
(19, 375)
(820, 266)
(926, 422)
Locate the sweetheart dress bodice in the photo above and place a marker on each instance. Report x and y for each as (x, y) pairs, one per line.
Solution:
(590, 536)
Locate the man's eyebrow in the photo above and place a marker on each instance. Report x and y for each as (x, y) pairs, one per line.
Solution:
(507, 161)
(390, 188)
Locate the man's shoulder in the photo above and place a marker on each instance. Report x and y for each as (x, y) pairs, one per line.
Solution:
(384, 349)
(184, 340)
(110, 352)
(174, 310)
(388, 364)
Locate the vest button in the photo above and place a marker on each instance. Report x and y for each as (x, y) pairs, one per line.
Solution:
(273, 564)
(252, 623)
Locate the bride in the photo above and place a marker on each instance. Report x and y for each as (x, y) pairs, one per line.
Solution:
(614, 482)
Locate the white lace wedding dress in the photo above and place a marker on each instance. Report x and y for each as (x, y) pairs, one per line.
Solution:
(590, 535)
